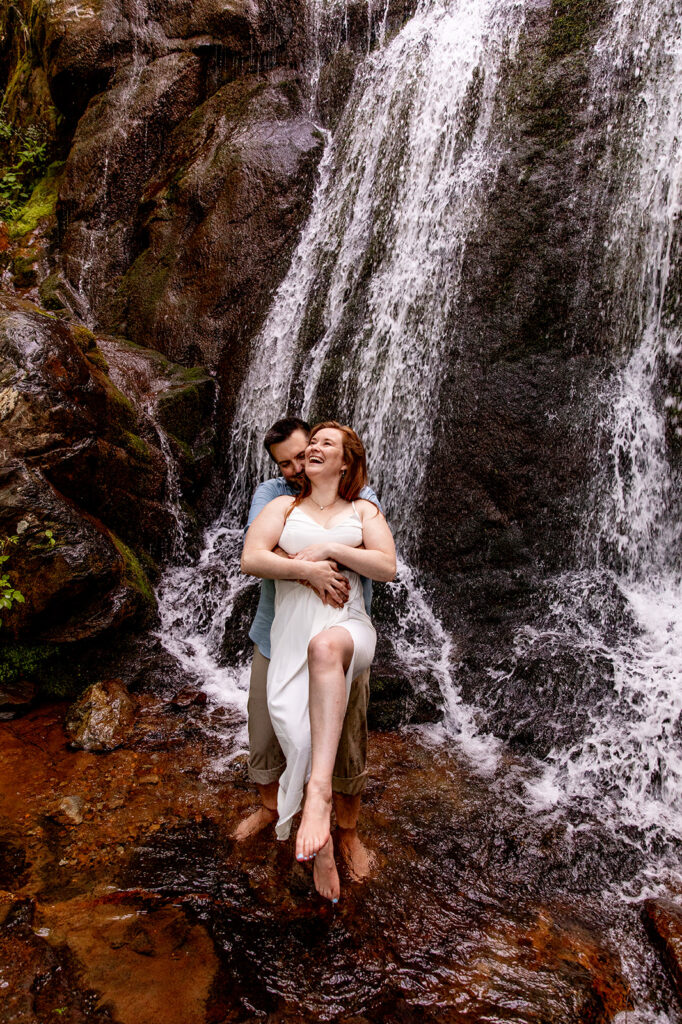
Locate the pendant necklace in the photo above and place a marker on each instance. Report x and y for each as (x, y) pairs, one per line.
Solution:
(323, 507)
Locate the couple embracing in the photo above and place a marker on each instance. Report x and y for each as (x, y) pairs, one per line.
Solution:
(319, 533)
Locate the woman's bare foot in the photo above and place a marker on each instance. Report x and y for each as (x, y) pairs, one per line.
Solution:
(358, 859)
(314, 831)
(325, 875)
(255, 823)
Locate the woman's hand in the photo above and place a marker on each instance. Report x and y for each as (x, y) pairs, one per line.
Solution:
(314, 553)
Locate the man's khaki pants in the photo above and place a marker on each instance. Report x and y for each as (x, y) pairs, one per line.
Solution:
(266, 760)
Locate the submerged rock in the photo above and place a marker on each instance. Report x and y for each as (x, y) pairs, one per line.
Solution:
(69, 811)
(663, 920)
(189, 697)
(16, 696)
(102, 718)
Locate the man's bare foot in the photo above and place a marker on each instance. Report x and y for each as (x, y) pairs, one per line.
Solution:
(357, 858)
(314, 831)
(255, 823)
(325, 875)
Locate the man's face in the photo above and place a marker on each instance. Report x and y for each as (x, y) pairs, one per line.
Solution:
(290, 457)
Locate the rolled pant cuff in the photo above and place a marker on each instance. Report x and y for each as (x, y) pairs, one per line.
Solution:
(264, 776)
(349, 787)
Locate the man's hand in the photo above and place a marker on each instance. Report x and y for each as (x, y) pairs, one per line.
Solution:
(330, 585)
(340, 595)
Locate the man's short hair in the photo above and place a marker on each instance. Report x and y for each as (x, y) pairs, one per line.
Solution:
(283, 429)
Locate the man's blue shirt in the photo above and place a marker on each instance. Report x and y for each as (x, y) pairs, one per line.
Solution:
(260, 629)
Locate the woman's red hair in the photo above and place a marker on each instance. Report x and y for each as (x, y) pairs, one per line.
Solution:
(354, 477)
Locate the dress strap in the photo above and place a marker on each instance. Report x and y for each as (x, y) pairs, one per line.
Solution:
(353, 507)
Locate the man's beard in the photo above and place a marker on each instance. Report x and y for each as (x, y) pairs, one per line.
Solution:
(296, 482)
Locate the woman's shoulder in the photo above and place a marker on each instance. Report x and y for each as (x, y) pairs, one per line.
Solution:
(366, 508)
(280, 504)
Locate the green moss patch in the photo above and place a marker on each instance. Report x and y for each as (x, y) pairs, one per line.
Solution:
(133, 573)
(42, 203)
(49, 666)
(573, 21)
(137, 446)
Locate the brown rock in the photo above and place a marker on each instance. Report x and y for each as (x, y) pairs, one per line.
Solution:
(102, 718)
(228, 196)
(80, 459)
(189, 696)
(663, 920)
(17, 696)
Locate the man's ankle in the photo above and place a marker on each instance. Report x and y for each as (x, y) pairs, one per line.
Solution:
(268, 795)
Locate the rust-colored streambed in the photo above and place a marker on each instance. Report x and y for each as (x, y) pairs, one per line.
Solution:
(126, 900)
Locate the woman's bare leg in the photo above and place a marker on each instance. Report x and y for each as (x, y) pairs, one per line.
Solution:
(329, 655)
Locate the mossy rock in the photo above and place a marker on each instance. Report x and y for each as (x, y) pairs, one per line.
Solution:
(50, 667)
(133, 573)
(87, 343)
(49, 293)
(24, 271)
(137, 446)
(185, 408)
(42, 203)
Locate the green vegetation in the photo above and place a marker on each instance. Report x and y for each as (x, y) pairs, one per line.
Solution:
(9, 594)
(29, 149)
(52, 668)
(137, 446)
(41, 202)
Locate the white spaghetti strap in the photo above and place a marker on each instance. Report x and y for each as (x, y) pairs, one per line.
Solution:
(353, 507)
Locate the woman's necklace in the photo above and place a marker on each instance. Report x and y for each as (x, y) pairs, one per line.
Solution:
(323, 507)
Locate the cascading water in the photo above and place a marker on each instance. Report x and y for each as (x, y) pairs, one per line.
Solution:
(370, 290)
(377, 272)
(628, 763)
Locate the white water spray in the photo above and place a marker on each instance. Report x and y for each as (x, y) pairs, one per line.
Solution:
(401, 188)
(629, 763)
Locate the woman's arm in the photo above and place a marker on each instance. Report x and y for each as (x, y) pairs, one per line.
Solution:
(259, 558)
(376, 559)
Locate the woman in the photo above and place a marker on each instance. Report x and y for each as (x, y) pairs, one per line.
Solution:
(318, 643)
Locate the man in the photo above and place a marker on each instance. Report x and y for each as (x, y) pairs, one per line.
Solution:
(286, 442)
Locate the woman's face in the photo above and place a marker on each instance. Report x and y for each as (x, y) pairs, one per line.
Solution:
(324, 456)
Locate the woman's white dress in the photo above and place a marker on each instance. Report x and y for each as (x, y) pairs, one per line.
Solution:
(299, 616)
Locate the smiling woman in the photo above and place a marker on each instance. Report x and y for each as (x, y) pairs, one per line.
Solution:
(318, 642)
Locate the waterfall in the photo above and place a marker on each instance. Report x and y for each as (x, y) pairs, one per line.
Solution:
(629, 761)
(361, 322)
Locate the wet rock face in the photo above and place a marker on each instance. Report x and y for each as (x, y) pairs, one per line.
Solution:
(187, 176)
(509, 461)
(513, 456)
(217, 222)
(84, 478)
